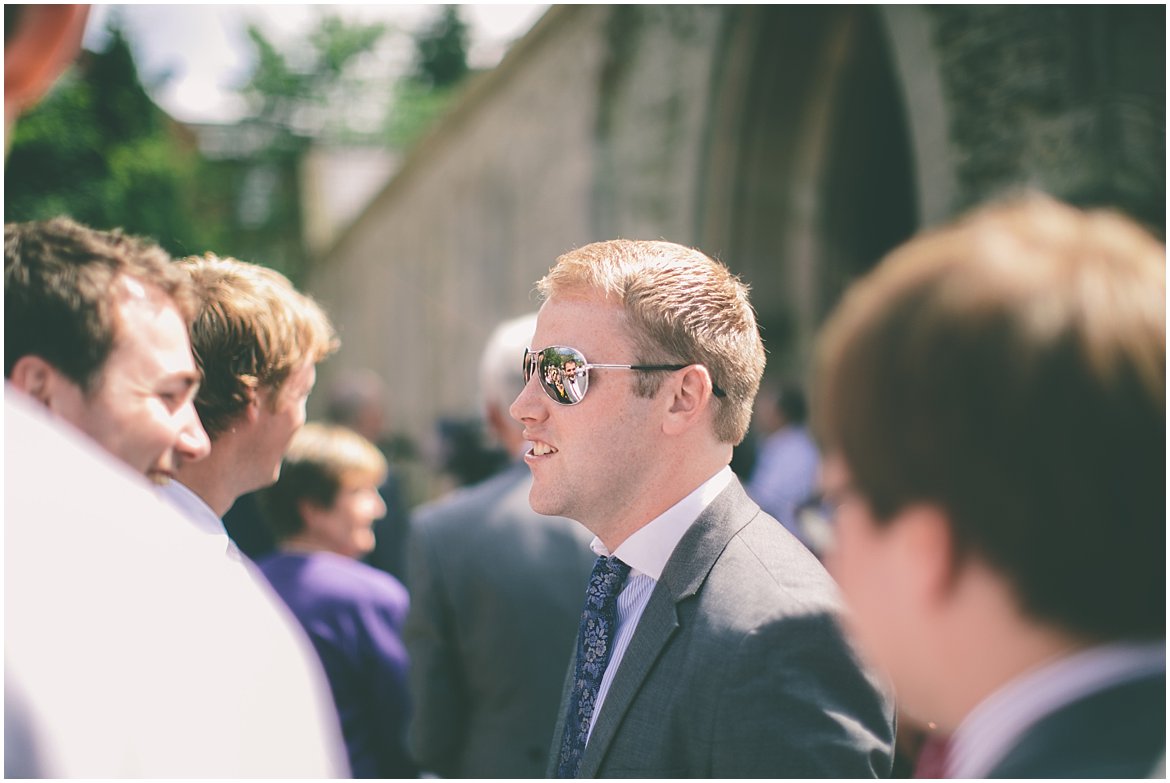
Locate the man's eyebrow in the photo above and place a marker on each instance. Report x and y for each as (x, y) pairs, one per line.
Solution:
(189, 379)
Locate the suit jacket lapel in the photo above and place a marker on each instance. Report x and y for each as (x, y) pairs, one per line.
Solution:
(658, 624)
(684, 574)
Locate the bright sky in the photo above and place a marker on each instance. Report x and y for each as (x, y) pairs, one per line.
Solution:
(206, 51)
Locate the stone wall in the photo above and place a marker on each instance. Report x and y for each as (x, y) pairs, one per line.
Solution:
(1070, 99)
(476, 215)
(798, 144)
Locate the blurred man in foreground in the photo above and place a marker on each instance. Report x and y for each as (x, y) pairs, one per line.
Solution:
(130, 650)
(992, 402)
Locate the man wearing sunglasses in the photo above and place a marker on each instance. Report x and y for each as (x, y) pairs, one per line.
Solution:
(709, 644)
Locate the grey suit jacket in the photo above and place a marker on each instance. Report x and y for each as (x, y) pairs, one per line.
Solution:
(496, 595)
(738, 667)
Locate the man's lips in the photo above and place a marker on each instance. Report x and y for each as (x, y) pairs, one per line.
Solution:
(541, 449)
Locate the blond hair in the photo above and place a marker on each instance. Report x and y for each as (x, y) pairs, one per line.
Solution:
(681, 307)
(251, 331)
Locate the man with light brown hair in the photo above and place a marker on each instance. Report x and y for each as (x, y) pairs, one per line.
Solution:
(992, 402)
(708, 646)
(257, 341)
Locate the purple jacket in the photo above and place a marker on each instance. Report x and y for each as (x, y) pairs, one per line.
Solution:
(354, 614)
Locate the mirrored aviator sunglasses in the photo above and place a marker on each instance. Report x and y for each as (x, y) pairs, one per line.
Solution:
(564, 372)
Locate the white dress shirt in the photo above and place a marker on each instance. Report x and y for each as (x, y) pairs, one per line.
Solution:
(199, 514)
(991, 729)
(646, 552)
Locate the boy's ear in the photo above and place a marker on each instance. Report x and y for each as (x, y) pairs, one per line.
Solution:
(929, 550)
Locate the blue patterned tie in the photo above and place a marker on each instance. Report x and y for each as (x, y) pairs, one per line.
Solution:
(594, 644)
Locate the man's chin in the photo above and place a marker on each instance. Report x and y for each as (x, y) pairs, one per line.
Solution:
(545, 506)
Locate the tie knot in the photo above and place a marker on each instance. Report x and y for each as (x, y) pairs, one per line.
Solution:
(609, 574)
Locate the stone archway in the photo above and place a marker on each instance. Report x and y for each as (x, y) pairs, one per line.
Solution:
(809, 176)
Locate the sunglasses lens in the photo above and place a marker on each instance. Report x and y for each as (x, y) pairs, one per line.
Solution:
(562, 374)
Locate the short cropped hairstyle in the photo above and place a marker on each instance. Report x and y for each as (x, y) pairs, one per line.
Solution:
(251, 330)
(321, 459)
(58, 278)
(682, 307)
(1010, 369)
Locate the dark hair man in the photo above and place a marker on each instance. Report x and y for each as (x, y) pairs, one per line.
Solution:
(992, 401)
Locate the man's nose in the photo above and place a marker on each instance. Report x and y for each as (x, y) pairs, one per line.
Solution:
(527, 406)
(193, 442)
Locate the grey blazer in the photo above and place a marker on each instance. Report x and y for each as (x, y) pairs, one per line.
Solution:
(496, 595)
(738, 667)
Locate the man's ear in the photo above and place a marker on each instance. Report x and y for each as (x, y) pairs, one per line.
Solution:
(255, 400)
(35, 377)
(929, 551)
(690, 398)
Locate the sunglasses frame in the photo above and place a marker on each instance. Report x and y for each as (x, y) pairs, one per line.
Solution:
(534, 360)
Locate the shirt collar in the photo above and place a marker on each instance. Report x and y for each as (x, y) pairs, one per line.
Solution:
(193, 507)
(647, 549)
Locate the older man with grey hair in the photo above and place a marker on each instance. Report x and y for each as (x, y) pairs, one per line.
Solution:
(485, 677)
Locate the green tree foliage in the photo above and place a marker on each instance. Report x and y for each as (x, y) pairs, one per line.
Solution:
(99, 150)
(441, 50)
(440, 66)
(304, 94)
(312, 91)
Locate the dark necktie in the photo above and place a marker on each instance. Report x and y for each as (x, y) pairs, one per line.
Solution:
(595, 640)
